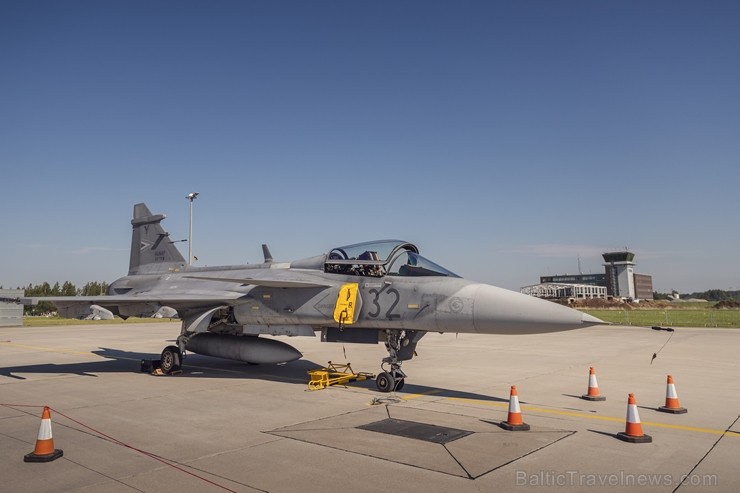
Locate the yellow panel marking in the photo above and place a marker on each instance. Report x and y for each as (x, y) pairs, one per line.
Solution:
(255, 307)
(413, 306)
(267, 296)
(600, 418)
(344, 310)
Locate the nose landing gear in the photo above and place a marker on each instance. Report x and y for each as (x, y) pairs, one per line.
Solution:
(401, 346)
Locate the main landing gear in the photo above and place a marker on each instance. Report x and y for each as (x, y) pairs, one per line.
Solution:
(401, 346)
(170, 360)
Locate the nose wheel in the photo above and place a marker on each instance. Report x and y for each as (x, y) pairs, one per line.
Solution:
(388, 381)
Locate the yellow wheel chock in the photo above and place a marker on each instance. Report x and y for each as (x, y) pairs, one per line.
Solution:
(335, 374)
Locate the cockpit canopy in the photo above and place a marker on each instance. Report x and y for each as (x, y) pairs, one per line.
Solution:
(382, 258)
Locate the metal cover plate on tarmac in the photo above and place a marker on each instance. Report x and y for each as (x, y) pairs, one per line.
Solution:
(418, 431)
(479, 450)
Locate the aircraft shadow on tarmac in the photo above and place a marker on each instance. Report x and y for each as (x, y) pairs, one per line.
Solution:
(414, 389)
(613, 435)
(116, 362)
(195, 366)
(199, 366)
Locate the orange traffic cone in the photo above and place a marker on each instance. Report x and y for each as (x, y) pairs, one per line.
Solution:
(671, 400)
(593, 388)
(44, 451)
(514, 420)
(633, 431)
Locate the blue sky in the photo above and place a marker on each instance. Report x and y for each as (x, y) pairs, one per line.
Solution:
(505, 139)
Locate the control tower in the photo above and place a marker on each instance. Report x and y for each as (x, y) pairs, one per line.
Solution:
(620, 278)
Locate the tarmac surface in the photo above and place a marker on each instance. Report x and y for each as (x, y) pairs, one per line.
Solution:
(228, 426)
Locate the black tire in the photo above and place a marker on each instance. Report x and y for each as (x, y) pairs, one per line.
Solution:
(384, 381)
(171, 359)
(399, 383)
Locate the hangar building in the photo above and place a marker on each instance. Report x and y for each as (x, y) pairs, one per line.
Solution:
(11, 314)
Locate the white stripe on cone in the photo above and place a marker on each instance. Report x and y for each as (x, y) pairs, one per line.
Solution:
(514, 404)
(45, 430)
(632, 415)
(670, 391)
(592, 381)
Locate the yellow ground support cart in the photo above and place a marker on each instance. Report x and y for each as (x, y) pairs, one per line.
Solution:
(335, 374)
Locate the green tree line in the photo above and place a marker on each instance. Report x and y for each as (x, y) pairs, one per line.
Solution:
(67, 288)
(709, 295)
(714, 295)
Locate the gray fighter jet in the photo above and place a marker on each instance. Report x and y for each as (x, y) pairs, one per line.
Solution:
(380, 291)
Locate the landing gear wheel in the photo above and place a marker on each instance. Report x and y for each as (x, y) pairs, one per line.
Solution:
(399, 383)
(384, 381)
(170, 360)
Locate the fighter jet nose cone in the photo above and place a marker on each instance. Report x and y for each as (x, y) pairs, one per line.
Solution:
(590, 320)
(500, 311)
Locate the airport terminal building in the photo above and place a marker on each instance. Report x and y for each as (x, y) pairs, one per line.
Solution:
(619, 280)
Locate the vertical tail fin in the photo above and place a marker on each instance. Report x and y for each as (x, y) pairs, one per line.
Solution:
(266, 253)
(151, 248)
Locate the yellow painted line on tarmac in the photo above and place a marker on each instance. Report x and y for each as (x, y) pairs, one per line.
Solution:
(600, 418)
(429, 392)
(421, 394)
(689, 428)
